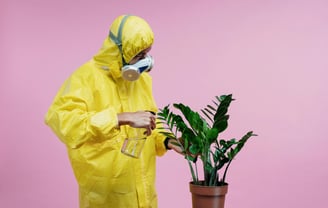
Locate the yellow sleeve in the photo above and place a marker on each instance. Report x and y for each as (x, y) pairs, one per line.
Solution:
(73, 119)
(159, 138)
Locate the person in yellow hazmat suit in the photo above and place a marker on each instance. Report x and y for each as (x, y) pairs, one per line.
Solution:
(101, 104)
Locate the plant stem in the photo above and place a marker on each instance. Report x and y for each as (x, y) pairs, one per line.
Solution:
(194, 178)
(196, 172)
(225, 171)
(213, 178)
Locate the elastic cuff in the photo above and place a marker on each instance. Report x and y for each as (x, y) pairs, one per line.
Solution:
(166, 143)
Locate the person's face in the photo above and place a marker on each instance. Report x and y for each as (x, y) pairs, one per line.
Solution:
(140, 56)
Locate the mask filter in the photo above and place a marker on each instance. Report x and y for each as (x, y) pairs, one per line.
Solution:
(133, 71)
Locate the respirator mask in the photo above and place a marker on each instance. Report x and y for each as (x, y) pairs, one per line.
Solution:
(131, 72)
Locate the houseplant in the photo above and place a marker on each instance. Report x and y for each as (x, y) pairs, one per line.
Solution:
(198, 136)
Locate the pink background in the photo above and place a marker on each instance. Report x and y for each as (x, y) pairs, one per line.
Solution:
(271, 54)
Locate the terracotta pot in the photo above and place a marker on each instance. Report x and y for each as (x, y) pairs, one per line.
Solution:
(208, 196)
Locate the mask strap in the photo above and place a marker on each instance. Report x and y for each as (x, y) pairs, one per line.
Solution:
(118, 40)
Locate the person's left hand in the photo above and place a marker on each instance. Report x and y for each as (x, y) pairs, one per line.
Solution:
(177, 148)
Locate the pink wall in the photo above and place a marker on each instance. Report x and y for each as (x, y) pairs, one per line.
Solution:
(272, 55)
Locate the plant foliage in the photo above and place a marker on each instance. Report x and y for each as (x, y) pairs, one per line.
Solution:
(198, 136)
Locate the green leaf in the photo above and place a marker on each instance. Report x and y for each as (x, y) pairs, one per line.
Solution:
(211, 108)
(211, 135)
(221, 125)
(241, 143)
(193, 118)
(225, 101)
(194, 149)
(232, 142)
(222, 162)
(207, 114)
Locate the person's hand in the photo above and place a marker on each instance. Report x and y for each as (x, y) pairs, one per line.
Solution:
(139, 119)
(177, 147)
(173, 144)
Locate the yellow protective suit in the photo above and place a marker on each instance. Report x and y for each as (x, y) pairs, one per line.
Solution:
(84, 116)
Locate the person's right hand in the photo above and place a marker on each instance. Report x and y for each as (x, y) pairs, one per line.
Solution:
(139, 119)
